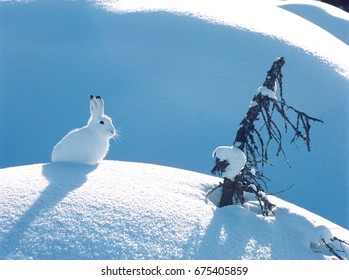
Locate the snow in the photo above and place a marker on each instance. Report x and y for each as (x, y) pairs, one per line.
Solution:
(234, 156)
(178, 77)
(252, 104)
(242, 16)
(321, 233)
(128, 210)
(333, 20)
(267, 92)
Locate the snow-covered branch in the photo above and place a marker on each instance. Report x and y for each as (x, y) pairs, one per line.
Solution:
(252, 143)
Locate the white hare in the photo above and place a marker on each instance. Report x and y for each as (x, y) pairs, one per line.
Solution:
(88, 144)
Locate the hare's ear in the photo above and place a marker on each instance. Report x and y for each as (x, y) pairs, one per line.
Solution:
(100, 105)
(93, 106)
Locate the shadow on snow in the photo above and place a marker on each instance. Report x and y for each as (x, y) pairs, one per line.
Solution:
(63, 179)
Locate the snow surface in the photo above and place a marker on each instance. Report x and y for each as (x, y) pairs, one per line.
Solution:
(127, 210)
(178, 76)
(333, 20)
(265, 17)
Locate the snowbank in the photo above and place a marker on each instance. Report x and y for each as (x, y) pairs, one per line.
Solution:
(265, 17)
(328, 17)
(124, 210)
(178, 82)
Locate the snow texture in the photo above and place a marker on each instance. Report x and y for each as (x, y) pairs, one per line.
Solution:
(127, 210)
(333, 20)
(234, 156)
(178, 76)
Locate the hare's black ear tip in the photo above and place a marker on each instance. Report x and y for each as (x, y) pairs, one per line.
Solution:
(91, 96)
(98, 97)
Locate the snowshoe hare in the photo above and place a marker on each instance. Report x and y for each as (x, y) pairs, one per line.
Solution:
(88, 144)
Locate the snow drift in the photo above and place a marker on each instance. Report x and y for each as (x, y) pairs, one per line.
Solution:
(124, 210)
(179, 76)
(333, 20)
(178, 80)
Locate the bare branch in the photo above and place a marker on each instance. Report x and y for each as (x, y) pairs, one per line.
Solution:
(249, 139)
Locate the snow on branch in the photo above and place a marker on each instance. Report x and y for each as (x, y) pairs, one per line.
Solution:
(249, 137)
(253, 140)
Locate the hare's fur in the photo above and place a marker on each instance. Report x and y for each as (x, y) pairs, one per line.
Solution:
(88, 144)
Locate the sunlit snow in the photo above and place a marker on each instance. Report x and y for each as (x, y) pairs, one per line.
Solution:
(177, 77)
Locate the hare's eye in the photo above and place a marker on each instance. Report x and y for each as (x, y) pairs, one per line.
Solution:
(101, 122)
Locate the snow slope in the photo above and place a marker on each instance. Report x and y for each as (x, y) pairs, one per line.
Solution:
(333, 20)
(176, 81)
(125, 210)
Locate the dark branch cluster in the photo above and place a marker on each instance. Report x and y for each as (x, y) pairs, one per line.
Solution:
(233, 190)
(254, 139)
(219, 167)
(336, 247)
(250, 138)
(233, 193)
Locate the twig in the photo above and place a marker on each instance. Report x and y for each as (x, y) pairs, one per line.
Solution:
(332, 250)
(290, 187)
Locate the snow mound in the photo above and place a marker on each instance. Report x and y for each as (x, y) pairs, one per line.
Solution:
(239, 14)
(178, 81)
(329, 17)
(125, 210)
